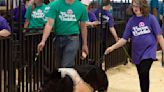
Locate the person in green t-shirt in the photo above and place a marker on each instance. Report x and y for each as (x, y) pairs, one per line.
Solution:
(66, 17)
(35, 15)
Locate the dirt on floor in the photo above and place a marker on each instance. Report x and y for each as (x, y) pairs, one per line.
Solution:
(124, 78)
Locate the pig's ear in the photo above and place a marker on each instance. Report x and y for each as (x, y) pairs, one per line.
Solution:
(56, 73)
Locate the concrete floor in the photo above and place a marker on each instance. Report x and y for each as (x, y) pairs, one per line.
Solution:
(124, 78)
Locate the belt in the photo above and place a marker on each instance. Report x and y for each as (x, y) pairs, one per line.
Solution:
(68, 35)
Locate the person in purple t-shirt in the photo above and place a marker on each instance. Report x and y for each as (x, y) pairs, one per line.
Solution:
(107, 22)
(4, 27)
(92, 17)
(16, 13)
(144, 31)
(106, 18)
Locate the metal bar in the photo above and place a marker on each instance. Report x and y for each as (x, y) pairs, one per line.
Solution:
(162, 62)
(1, 64)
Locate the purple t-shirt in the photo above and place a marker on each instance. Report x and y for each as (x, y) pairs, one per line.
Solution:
(16, 13)
(106, 17)
(92, 17)
(4, 24)
(143, 31)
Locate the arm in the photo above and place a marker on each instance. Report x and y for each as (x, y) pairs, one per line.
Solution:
(94, 23)
(161, 41)
(92, 19)
(47, 29)
(120, 43)
(113, 31)
(26, 23)
(46, 33)
(84, 37)
(111, 26)
(5, 29)
(4, 33)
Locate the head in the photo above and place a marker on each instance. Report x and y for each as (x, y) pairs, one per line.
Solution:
(139, 7)
(48, 75)
(38, 1)
(53, 82)
(93, 5)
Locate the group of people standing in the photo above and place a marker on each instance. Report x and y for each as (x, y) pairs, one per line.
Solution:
(65, 18)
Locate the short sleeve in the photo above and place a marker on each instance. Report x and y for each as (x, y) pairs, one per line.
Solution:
(52, 13)
(92, 17)
(156, 29)
(28, 12)
(5, 25)
(128, 31)
(111, 20)
(84, 15)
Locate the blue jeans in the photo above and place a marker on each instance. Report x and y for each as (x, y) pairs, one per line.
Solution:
(66, 47)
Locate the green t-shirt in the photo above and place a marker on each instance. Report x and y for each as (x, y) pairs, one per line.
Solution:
(67, 16)
(47, 9)
(36, 17)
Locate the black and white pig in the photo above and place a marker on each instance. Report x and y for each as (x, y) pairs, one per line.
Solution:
(83, 78)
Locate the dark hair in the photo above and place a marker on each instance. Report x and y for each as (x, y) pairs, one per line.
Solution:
(144, 7)
(46, 1)
(34, 4)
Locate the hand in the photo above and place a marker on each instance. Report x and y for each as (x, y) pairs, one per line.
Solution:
(85, 49)
(89, 24)
(108, 50)
(24, 31)
(105, 8)
(98, 22)
(40, 46)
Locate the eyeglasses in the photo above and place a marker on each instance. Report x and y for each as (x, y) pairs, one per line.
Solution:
(134, 5)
